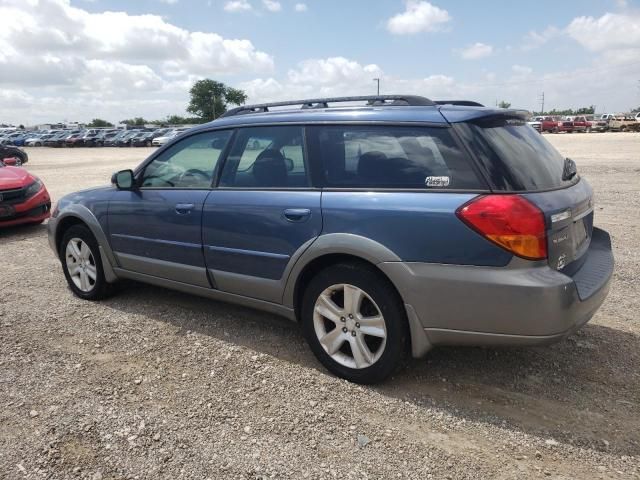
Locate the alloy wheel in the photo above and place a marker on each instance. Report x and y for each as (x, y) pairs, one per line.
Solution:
(81, 264)
(349, 326)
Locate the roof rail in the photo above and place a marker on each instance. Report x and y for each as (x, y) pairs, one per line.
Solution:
(461, 103)
(374, 100)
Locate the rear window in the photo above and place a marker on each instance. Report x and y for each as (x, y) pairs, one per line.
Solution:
(515, 156)
(390, 157)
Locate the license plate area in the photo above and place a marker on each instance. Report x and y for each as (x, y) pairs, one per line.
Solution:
(6, 211)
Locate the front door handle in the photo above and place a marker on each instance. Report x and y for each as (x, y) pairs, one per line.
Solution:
(184, 208)
(297, 214)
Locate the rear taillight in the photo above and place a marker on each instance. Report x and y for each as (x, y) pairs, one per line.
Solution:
(510, 221)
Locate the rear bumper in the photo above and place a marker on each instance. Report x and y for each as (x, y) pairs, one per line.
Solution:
(514, 305)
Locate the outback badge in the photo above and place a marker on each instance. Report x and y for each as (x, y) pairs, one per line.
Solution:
(437, 181)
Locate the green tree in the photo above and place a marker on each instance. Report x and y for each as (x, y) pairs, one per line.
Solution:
(504, 104)
(99, 123)
(209, 99)
(137, 121)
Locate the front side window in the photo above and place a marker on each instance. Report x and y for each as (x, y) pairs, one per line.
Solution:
(266, 157)
(190, 163)
(391, 157)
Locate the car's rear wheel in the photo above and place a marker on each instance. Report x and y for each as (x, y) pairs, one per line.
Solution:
(82, 264)
(355, 323)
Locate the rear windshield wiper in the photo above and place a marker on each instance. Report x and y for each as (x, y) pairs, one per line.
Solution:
(569, 170)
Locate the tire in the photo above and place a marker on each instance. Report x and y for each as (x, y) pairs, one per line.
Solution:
(588, 130)
(81, 237)
(148, 143)
(387, 344)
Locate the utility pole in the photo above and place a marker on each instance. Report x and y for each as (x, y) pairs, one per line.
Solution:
(377, 80)
(542, 104)
(214, 106)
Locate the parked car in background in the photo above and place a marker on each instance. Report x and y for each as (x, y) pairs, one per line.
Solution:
(596, 123)
(32, 138)
(112, 141)
(105, 136)
(384, 229)
(8, 151)
(125, 141)
(23, 197)
(580, 123)
(536, 124)
(75, 139)
(624, 123)
(9, 138)
(145, 139)
(552, 124)
(159, 141)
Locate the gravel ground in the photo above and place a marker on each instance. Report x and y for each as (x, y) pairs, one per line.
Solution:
(156, 384)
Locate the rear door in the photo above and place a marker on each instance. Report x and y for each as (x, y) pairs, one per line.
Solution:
(518, 160)
(157, 229)
(263, 214)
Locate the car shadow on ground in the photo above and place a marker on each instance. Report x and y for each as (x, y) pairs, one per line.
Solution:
(576, 391)
(21, 232)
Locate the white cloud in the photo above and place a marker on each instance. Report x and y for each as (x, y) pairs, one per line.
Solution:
(419, 16)
(237, 6)
(272, 5)
(476, 51)
(521, 70)
(51, 49)
(610, 31)
(535, 39)
(168, 2)
(300, 7)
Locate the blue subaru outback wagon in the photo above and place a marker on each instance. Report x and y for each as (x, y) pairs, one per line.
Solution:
(386, 226)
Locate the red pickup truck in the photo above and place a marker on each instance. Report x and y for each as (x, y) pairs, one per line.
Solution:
(580, 123)
(555, 125)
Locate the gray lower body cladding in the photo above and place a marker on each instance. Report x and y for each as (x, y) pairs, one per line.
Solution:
(516, 305)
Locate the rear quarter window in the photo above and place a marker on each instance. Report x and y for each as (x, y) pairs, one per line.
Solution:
(514, 156)
(380, 156)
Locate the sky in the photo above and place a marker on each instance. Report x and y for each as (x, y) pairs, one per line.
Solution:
(75, 60)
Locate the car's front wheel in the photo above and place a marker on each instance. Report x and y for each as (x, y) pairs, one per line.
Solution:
(82, 264)
(355, 323)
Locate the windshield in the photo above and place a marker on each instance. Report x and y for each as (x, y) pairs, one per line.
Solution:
(515, 156)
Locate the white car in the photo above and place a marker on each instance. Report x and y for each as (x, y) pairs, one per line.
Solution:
(159, 141)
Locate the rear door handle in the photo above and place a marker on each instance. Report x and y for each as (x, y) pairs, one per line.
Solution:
(184, 208)
(297, 214)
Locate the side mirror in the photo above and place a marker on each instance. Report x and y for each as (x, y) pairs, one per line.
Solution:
(123, 179)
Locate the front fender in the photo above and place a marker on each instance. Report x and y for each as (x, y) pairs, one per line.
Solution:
(86, 216)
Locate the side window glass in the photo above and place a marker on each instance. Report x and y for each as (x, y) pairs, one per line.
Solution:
(189, 163)
(391, 157)
(266, 157)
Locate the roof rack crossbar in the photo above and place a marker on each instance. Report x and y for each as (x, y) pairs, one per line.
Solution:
(406, 100)
(461, 103)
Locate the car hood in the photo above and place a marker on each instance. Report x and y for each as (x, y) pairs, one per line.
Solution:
(14, 177)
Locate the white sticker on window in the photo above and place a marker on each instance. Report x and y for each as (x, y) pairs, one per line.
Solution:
(437, 181)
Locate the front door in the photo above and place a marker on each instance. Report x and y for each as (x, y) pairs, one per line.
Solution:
(263, 214)
(156, 229)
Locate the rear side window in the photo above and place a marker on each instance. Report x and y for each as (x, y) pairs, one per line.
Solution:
(514, 155)
(390, 157)
(266, 157)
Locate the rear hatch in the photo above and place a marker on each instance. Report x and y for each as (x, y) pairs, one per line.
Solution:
(517, 159)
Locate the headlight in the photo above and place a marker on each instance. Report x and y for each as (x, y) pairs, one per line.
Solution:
(33, 188)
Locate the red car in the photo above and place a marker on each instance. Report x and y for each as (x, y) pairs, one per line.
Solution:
(23, 197)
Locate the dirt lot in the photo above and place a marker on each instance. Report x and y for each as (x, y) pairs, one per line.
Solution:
(155, 384)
